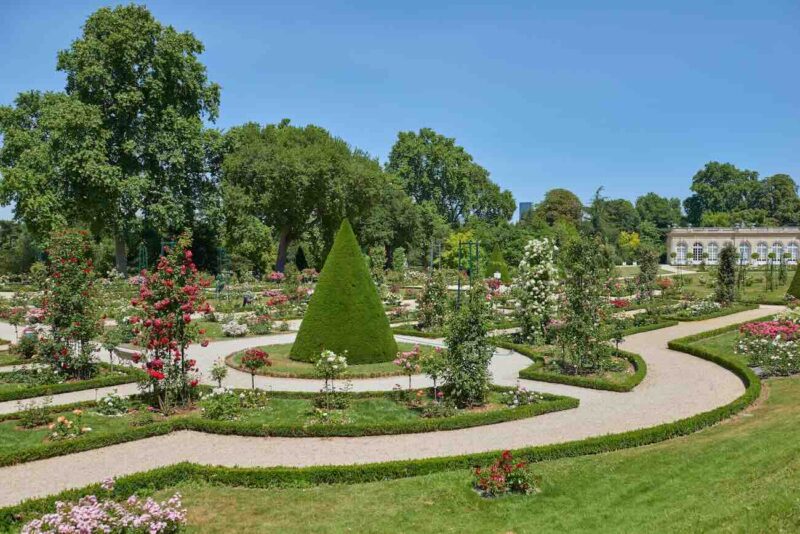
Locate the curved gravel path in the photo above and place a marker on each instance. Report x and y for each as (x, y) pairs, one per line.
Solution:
(677, 385)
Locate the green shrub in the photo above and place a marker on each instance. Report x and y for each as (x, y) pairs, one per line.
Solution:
(345, 313)
(794, 287)
(497, 264)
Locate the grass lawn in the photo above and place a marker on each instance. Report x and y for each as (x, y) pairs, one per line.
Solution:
(8, 359)
(739, 476)
(281, 414)
(284, 367)
(701, 284)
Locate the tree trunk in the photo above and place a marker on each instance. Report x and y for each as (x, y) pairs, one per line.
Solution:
(121, 254)
(283, 248)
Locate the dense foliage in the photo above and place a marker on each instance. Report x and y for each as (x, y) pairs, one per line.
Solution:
(345, 313)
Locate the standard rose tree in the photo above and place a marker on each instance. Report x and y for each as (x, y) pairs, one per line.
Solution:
(168, 296)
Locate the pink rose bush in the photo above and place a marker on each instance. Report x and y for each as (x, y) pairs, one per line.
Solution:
(91, 514)
(772, 346)
(409, 362)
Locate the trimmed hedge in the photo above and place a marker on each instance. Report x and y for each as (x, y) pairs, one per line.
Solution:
(126, 376)
(166, 477)
(552, 403)
(713, 315)
(345, 313)
(352, 371)
(533, 373)
(648, 327)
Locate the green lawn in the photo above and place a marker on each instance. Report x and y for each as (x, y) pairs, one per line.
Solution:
(740, 476)
(284, 367)
(701, 284)
(7, 358)
(297, 412)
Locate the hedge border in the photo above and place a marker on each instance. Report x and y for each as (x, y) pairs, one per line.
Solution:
(631, 381)
(279, 374)
(552, 403)
(737, 308)
(165, 477)
(128, 375)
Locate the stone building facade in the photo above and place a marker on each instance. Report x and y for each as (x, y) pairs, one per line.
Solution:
(686, 246)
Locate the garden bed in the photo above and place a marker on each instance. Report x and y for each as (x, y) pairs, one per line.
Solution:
(108, 375)
(633, 372)
(727, 310)
(284, 367)
(284, 414)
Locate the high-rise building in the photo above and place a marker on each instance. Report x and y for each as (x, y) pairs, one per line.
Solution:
(524, 207)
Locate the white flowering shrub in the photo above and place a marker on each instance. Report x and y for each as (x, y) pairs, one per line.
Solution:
(535, 288)
(234, 329)
(112, 405)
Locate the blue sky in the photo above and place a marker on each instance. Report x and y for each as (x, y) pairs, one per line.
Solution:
(631, 96)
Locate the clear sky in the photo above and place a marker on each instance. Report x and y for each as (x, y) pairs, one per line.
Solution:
(628, 96)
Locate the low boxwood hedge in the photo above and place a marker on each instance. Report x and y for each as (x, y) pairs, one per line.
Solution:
(551, 403)
(126, 375)
(534, 373)
(730, 310)
(648, 327)
(400, 331)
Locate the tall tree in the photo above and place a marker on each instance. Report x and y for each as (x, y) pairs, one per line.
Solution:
(720, 187)
(141, 93)
(433, 168)
(560, 204)
(662, 212)
(294, 179)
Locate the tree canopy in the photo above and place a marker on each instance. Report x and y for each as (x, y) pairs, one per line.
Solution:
(433, 168)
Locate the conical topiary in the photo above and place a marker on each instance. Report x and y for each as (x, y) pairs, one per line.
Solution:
(794, 287)
(497, 264)
(345, 312)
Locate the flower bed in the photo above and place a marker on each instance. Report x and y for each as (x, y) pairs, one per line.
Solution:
(622, 380)
(108, 375)
(283, 414)
(703, 310)
(284, 367)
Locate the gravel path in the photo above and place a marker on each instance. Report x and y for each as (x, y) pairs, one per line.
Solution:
(676, 386)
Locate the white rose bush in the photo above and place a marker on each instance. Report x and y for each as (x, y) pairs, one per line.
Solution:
(535, 289)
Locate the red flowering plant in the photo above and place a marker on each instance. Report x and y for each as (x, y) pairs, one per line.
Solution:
(620, 303)
(253, 360)
(164, 328)
(504, 476)
(69, 305)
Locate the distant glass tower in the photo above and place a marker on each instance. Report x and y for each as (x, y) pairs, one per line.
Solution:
(524, 207)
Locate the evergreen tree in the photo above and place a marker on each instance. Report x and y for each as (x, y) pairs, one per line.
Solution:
(726, 275)
(300, 259)
(345, 313)
(497, 264)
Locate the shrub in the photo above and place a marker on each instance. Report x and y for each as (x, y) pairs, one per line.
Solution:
(65, 427)
(34, 413)
(726, 275)
(219, 371)
(112, 405)
(535, 289)
(469, 351)
(794, 287)
(91, 514)
(432, 304)
(504, 476)
(345, 313)
(27, 346)
(497, 264)
(234, 329)
(220, 405)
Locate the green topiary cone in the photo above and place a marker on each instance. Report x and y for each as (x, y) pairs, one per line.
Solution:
(345, 312)
(794, 287)
(497, 264)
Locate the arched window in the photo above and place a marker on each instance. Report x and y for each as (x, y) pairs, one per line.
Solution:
(697, 251)
(777, 250)
(761, 249)
(744, 252)
(713, 252)
(680, 252)
(792, 249)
